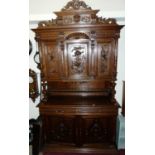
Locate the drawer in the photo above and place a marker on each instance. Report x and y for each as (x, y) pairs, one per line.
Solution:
(92, 110)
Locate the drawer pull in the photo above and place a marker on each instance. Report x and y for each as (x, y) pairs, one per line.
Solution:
(59, 111)
(78, 110)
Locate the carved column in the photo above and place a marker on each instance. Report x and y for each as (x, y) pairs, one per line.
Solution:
(61, 52)
(44, 87)
(93, 54)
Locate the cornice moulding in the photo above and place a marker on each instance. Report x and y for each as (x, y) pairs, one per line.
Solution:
(118, 15)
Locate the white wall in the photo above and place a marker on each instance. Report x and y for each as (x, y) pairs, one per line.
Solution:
(48, 6)
(43, 10)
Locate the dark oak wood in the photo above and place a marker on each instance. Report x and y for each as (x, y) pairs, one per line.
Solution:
(78, 61)
(90, 148)
(33, 85)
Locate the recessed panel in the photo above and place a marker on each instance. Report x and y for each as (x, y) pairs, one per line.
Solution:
(77, 59)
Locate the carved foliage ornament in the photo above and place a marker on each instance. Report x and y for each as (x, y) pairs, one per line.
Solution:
(79, 59)
(76, 5)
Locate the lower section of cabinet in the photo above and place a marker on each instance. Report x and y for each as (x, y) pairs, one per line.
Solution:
(79, 130)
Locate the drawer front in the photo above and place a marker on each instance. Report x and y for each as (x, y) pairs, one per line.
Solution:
(106, 111)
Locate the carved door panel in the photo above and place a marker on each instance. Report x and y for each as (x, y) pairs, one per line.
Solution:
(106, 58)
(59, 129)
(96, 130)
(99, 129)
(77, 59)
(53, 61)
(79, 130)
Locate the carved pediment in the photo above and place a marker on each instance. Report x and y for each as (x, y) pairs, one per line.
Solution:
(77, 12)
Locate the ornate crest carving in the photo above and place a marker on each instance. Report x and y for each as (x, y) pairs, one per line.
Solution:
(76, 5)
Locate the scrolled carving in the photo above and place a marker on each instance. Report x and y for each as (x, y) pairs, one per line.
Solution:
(33, 87)
(76, 5)
(86, 19)
(47, 23)
(109, 21)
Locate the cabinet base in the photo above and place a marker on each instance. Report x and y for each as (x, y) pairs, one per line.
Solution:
(90, 148)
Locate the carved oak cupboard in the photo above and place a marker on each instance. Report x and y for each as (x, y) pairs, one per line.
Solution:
(78, 60)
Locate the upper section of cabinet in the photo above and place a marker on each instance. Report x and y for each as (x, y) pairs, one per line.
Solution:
(77, 12)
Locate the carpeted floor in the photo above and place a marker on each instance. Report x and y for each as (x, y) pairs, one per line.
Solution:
(121, 152)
